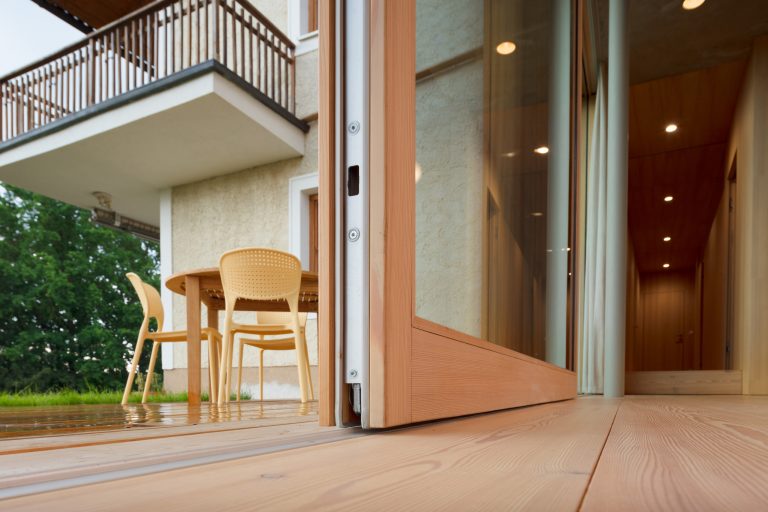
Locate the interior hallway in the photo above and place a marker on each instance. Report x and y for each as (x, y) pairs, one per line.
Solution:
(636, 453)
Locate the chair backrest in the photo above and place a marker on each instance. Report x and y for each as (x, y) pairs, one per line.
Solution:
(150, 299)
(259, 274)
(278, 318)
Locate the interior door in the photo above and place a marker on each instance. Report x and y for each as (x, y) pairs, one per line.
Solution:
(466, 99)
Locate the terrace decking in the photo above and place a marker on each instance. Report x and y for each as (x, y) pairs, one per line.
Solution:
(636, 453)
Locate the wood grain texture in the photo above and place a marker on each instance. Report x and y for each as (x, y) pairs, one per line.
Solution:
(452, 378)
(687, 164)
(537, 458)
(392, 209)
(684, 453)
(46, 428)
(701, 382)
(193, 339)
(326, 124)
(64, 463)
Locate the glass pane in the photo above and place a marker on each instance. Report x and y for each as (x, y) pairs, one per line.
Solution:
(492, 170)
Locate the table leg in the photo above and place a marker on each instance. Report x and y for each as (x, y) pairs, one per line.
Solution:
(193, 339)
(213, 322)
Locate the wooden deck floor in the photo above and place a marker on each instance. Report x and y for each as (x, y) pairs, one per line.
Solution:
(638, 453)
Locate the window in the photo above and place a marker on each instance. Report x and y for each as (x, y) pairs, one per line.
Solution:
(308, 16)
(313, 233)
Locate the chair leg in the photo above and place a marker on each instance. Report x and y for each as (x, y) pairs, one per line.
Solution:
(261, 375)
(135, 361)
(150, 371)
(240, 368)
(212, 363)
(222, 388)
(309, 368)
(301, 359)
(230, 360)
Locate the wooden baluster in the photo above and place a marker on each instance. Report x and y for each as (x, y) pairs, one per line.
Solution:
(250, 48)
(259, 74)
(132, 57)
(274, 64)
(173, 38)
(91, 73)
(224, 39)
(215, 30)
(229, 34)
(59, 90)
(167, 40)
(139, 53)
(156, 39)
(27, 112)
(293, 81)
(189, 32)
(206, 33)
(242, 43)
(47, 94)
(19, 107)
(198, 31)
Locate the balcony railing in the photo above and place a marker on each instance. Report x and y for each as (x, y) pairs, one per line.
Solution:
(157, 41)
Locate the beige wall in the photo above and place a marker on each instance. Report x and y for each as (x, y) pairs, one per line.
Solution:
(749, 146)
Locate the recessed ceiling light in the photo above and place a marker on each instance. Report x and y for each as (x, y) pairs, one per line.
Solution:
(506, 48)
(668, 199)
(671, 128)
(509, 155)
(666, 265)
(542, 150)
(667, 238)
(537, 214)
(690, 5)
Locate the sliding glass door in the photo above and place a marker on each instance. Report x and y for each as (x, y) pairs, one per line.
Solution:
(470, 134)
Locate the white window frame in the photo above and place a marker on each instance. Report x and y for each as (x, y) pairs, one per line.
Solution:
(299, 190)
(166, 269)
(304, 42)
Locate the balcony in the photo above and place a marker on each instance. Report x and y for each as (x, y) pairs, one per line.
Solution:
(176, 92)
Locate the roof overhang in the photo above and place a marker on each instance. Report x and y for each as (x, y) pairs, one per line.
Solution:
(196, 124)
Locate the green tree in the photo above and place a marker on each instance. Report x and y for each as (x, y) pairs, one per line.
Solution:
(68, 315)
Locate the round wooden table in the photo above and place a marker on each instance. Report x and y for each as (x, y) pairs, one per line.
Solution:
(204, 286)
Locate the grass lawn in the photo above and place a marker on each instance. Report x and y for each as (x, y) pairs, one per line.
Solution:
(90, 397)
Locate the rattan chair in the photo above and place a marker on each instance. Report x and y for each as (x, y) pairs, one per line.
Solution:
(271, 324)
(153, 308)
(264, 275)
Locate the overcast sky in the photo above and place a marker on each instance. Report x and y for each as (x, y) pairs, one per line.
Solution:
(28, 33)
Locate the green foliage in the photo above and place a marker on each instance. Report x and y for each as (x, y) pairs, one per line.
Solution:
(69, 397)
(68, 315)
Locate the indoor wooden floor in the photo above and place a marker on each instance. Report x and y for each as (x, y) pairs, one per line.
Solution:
(638, 453)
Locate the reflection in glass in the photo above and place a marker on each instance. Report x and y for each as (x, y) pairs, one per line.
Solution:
(492, 172)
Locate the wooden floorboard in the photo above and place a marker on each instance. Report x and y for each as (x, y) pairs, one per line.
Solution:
(533, 458)
(67, 463)
(695, 453)
(168, 422)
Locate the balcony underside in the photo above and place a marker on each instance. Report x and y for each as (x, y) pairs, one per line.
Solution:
(197, 124)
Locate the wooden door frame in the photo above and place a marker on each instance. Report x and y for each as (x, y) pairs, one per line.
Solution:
(420, 370)
(326, 121)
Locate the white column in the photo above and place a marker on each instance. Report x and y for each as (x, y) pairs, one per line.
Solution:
(557, 182)
(166, 269)
(616, 227)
